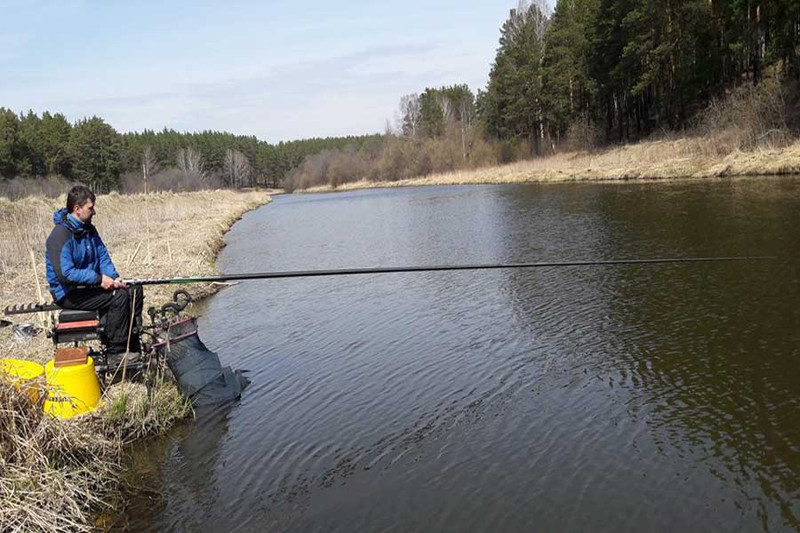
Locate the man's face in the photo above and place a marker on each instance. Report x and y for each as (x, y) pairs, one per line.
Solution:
(85, 212)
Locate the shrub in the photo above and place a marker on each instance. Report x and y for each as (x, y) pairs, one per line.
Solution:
(582, 134)
(748, 117)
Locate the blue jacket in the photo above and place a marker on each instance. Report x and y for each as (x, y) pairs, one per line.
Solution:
(75, 255)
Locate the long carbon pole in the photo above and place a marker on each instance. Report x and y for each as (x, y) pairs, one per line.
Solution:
(433, 268)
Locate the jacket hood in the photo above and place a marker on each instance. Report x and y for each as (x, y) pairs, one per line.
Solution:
(60, 218)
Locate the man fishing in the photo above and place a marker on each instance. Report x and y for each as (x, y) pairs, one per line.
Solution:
(82, 276)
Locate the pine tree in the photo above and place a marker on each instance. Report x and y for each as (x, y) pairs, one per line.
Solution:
(568, 90)
(512, 104)
(94, 149)
(10, 143)
(54, 131)
(432, 113)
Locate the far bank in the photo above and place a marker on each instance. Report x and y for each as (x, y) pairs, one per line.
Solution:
(664, 159)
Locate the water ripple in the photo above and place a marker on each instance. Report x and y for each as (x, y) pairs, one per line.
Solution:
(608, 399)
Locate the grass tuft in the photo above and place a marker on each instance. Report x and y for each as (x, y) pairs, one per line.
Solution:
(132, 411)
(53, 473)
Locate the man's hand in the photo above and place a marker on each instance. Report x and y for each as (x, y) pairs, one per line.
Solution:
(119, 283)
(107, 283)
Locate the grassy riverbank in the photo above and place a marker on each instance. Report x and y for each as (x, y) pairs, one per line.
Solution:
(695, 157)
(55, 474)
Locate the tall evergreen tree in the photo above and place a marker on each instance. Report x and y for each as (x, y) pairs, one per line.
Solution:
(54, 132)
(10, 143)
(512, 103)
(432, 113)
(94, 149)
(568, 89)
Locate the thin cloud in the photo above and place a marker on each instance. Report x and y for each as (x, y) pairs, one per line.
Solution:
(255, 104)
(217, 70)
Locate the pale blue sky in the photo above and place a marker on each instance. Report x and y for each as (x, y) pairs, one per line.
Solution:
(278, 70)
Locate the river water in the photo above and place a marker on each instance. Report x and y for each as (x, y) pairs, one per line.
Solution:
(625, 398)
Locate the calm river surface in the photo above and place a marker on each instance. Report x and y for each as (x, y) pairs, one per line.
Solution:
(626, 398)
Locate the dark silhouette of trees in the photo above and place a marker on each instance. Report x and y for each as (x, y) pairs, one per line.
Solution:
(93, 152)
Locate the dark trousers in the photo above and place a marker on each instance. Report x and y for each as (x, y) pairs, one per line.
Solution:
(115, 311)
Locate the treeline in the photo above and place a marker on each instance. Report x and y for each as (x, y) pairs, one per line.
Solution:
(93, 152)
(439, 130)
(435, 131)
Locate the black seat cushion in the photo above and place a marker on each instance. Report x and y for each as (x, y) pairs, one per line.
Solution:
(76, 315)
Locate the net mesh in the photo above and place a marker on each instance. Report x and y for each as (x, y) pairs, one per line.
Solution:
(197, 370)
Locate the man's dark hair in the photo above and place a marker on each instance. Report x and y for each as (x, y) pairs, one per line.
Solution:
(78, 196)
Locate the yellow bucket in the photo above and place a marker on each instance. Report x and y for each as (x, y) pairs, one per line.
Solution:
(25, 375)
(72, 390)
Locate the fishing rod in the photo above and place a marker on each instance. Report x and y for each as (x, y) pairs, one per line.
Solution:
(432, 268)
(39, 307)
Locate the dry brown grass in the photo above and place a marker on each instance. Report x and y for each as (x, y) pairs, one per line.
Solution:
(55, 473)
(154, 235)
(680, 158)
(52, 472)
(131, 412)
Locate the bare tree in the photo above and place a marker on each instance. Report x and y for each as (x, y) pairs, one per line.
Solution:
(447, 107)
(525, 13)
(465, 110)
(238, 171)
(411, 114)
(190, 161)
(149, 164)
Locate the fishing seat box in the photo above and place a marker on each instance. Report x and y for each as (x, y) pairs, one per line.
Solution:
(76, 326)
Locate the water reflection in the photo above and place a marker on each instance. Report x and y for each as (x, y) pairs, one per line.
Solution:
(721, 348)
(706, 354)
(181, 475)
